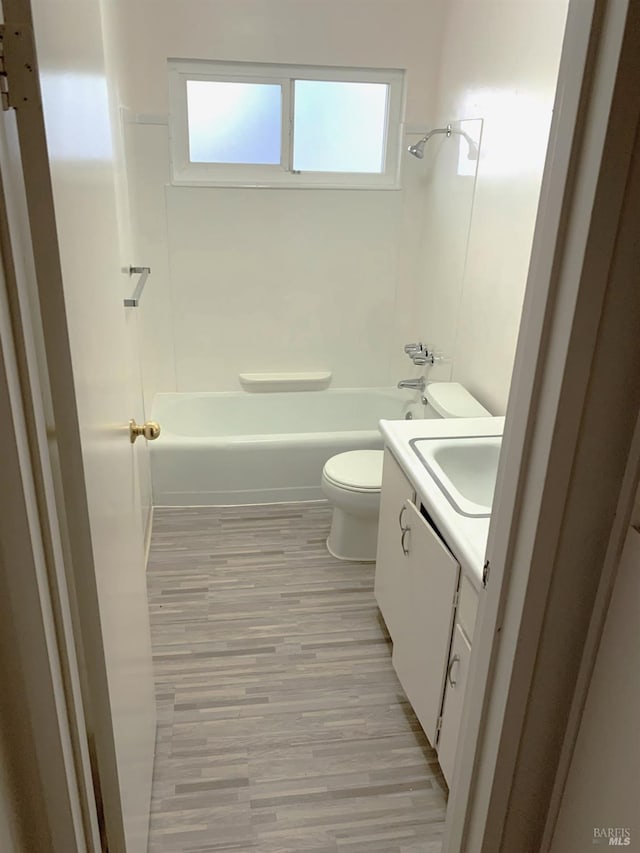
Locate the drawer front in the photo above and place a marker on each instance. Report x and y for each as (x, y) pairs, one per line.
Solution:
(453, 701)
(421, 646)
(467, 607)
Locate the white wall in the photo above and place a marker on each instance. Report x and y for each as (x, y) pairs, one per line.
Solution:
(274, 279)
(602, 786)
(293, 280)
(367, 33)
(448, 184)
(500, 61)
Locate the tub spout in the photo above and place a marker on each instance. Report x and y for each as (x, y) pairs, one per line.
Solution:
(415, 384)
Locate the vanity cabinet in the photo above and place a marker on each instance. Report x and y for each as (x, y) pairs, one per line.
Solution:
(429, 610)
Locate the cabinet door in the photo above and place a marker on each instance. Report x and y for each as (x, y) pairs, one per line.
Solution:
(391, 562)
(421, 647)
(453, 699)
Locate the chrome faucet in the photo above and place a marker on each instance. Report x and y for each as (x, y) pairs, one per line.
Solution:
(418, 384)
(420, 354)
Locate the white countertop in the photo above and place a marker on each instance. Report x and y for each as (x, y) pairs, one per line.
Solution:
(466, 536)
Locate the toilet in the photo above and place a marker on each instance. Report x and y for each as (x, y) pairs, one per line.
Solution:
(352, 481)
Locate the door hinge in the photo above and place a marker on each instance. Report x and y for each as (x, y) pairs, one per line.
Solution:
(485, 574)
(456, 598)
(4, 81)
(18, 79)
(438, 727)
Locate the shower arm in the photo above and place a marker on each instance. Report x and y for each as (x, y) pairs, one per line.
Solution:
(447, 131)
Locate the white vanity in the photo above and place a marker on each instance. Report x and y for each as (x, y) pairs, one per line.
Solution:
(437, 486)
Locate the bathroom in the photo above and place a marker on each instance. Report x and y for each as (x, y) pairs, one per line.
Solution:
(293, 281)
(332, 282)
(316, 288)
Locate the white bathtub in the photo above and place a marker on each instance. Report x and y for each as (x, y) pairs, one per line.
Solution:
(241, 448)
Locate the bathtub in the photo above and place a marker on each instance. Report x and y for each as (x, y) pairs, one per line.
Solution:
(242, 448)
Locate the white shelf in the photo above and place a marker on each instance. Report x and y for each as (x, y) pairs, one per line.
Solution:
(270, 382)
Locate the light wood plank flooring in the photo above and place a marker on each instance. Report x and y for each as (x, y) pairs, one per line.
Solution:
(282, 726)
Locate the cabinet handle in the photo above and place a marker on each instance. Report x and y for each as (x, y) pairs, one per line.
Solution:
(402, 511)
(405, 530)
(454, 659)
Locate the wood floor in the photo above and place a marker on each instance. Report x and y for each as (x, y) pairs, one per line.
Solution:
(282, 726)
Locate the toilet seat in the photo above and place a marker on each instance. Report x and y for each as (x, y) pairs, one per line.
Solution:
(356, 471)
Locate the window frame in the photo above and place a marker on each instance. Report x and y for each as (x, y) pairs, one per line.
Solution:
(187, 173)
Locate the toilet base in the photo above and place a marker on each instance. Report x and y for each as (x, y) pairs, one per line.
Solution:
(352, 537)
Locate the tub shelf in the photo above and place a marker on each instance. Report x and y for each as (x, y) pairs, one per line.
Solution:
(270, 382)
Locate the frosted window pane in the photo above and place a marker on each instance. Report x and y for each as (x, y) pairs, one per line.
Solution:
(234, 122)
(339, 127)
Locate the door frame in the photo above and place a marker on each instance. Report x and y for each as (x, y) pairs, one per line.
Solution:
(569, 461)
(55, 802)
(558, 385)
(47, 392)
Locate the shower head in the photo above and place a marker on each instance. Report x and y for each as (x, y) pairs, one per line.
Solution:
(418, 149)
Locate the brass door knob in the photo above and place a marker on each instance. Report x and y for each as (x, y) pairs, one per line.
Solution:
(150, 430)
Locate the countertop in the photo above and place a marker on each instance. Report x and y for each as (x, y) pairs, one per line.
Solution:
(467, 537)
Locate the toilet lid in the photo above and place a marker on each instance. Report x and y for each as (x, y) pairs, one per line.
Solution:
(357, 469)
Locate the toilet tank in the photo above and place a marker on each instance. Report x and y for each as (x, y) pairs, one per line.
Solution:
(452, 400)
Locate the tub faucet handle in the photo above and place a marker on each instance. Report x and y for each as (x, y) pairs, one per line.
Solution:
(413, 349)
(427, 356)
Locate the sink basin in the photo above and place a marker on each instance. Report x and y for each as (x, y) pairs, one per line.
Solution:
(464, 469)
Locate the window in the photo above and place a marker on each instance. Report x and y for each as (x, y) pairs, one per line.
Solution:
(240, 124)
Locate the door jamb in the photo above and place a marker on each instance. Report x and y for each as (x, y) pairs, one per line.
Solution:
(550, 420)
(44, 664)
